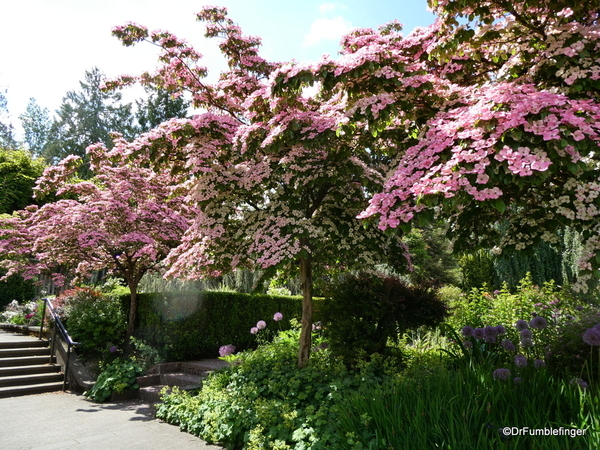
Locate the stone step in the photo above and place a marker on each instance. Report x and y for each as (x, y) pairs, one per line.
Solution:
(18, 352)
(180, 379)
(26, 361)
(24, 344)
(15, 391)
(31, 379)
(151, 394)
(27, 370)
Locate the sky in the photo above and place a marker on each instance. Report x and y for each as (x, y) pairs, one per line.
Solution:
(47, 45)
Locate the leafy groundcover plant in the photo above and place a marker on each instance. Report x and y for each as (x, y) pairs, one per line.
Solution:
(263, 401)
(117, 376)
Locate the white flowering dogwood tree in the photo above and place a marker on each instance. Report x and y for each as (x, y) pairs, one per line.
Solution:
(495, 115)
(277, 187)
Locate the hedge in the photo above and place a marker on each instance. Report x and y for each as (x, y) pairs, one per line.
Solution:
(193, 325)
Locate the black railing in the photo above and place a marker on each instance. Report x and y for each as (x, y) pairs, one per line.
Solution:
(58, 326)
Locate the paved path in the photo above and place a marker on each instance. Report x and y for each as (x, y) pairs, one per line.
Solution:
(70, 421)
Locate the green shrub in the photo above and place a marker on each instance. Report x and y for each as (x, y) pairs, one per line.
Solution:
(146, 355)
(94, 320)
(362, 312)
(264, 401)
(117, 376)
(501, 307)
(477, 269)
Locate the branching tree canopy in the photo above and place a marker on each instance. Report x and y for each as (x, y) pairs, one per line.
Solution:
(495, 116)
(126, 219)
(276, 185)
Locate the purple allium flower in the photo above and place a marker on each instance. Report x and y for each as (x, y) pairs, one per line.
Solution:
(521, 325)
(578, 381)
(538, 323)
(496, 292)
(520, 361)
(277, 317)
(478, 333)
(579, 308)
(508, 345)
(490, 331)
(226, 350)
(539, 364)
(501, 374)
(500, 330)
(490, 339)
(526, 334)
(591, 337)
(517, 380)
(467, 331)
(526, 343)
(253, 330)
(112, 349)
(261, 324)
(467, 344)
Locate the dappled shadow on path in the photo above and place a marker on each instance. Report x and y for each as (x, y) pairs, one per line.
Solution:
(143, 411)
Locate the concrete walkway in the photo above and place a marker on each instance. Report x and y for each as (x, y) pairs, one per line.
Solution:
(71, 421)
(62, 420)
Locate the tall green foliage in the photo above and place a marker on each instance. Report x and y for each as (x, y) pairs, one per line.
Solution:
(36, 124)
(86, 117)
(18, 173)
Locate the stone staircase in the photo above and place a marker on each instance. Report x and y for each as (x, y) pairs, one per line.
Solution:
(25, 366)
(185, 375)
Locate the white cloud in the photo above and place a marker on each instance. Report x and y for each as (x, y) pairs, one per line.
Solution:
(328, 7)
(327, 30)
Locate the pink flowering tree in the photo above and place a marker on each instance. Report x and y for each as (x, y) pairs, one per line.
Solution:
(494, 117)
(276, 185)
(126, 219)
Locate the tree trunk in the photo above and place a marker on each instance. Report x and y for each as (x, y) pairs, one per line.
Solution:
(307, 309)
(132, 316)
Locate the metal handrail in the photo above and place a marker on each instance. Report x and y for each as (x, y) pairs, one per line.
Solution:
(58, 325)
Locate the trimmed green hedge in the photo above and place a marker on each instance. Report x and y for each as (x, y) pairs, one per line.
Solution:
(193, 325)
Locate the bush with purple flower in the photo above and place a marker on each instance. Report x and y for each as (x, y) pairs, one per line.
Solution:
(501, 374)
(538, 323)
(226, 350)
(592, 336)
(520, 361)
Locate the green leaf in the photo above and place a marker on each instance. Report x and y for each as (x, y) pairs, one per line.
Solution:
(499, 205)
